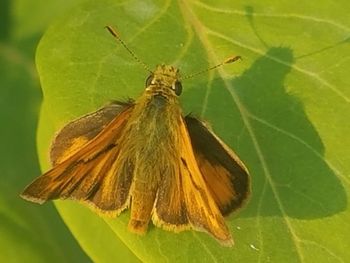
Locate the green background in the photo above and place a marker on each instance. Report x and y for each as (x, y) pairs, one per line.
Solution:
(284, 109)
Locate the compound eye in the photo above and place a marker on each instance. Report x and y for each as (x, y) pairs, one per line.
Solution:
(177, 87)
(149, 80)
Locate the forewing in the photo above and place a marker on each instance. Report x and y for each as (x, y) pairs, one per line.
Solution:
(95, 173)
(184, 201)
(223, 172)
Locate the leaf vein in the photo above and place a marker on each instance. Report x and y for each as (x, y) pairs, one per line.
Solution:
(310, 242)
(301, 141)
(291, 15)
(312, 75)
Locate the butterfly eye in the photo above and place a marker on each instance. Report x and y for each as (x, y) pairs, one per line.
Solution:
(177, 87)
(149, 80)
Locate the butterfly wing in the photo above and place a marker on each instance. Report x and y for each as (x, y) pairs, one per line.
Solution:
(223, 172)
(87, 165)
(184, 200)
(82, 130)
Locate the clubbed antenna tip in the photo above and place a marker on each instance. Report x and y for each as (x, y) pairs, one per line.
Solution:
(232, 59)
(116, 35)
(226, 61)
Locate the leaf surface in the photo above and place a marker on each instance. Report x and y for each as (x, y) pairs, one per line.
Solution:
(284, 109)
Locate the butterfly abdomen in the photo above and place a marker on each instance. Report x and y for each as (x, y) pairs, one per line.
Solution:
(152, 146)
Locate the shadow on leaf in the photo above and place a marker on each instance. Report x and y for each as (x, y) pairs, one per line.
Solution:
(282, 149)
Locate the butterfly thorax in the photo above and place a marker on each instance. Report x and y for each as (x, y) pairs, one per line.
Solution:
(157, 115)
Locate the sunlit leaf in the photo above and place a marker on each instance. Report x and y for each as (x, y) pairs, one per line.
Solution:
(284, 109)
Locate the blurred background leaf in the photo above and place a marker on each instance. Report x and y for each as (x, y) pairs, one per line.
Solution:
(284, 109)
(28, 233)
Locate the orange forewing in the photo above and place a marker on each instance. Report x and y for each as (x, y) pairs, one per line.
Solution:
(185, 200)
(225, 175)
(82, 174)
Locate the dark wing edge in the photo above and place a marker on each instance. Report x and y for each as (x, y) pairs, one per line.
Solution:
(225, 174)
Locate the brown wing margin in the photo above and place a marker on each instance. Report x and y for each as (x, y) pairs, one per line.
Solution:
(224, 173)
(92, 173)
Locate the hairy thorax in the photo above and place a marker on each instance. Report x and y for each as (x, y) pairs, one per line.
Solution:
(153, 137)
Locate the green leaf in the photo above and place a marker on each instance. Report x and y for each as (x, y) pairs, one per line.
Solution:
(284, 109)
(28, 233)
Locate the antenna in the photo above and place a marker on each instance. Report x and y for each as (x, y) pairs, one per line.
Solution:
(229, 60)
(115, 34)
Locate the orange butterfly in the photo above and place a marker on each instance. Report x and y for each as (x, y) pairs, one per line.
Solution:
(146, 156)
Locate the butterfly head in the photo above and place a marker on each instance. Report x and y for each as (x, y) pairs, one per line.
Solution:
(164, 81)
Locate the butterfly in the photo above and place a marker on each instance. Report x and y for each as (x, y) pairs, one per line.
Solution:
(146, 156)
